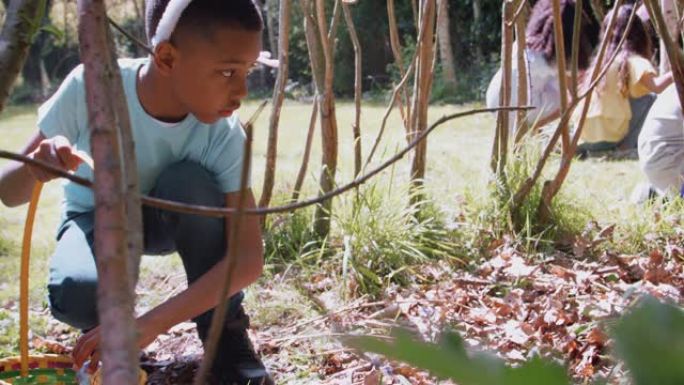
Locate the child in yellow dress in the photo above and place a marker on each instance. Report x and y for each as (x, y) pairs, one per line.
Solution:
(623, 97)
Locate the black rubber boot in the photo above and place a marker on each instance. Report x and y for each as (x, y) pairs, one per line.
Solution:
(237, 363)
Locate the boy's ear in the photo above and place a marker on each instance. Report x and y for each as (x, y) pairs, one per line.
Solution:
(165, 55)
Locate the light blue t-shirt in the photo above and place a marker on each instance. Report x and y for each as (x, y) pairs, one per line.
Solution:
(218, 147)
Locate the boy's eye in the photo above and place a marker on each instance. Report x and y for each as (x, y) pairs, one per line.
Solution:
(227, 73)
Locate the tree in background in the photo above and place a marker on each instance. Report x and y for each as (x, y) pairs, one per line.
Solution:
(446, 54)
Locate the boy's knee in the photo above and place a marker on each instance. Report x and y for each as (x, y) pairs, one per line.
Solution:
(73, 301)
(188, 182)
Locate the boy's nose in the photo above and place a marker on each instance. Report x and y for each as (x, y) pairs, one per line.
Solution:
(240, 91)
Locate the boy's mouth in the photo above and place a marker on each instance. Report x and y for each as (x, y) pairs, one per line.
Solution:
(226, 113)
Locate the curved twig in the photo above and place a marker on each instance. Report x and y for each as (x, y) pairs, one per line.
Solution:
(129, 36)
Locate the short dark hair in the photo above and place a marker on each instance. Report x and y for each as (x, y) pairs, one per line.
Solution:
(205, 15)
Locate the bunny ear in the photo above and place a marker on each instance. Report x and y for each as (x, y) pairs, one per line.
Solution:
(265, 59)
(169, 19)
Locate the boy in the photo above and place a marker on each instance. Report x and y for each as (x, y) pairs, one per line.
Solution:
(189, 148)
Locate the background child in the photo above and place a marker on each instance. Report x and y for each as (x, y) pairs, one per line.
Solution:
(661, 145)
(622, 98)
(189, 148)
(540, 54)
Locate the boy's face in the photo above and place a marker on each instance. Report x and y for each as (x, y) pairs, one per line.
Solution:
(209, 75)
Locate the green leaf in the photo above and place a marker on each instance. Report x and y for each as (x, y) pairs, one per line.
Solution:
(537, 372)
(651, 341)
(54, 31)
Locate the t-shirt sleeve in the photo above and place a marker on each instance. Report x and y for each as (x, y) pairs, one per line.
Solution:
(638, 67)
(224, 157)
(60, 114)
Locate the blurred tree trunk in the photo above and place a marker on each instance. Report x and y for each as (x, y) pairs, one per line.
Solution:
(270, 6)
(34, 73)
(139, 8)
(15, 40)
(477, 28)
(444, 39)
(599, 9)
(116, 265)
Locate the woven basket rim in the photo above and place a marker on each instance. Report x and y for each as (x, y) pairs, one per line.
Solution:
(62, 358)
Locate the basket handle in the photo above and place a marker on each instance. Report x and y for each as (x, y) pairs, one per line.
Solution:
(24, 278)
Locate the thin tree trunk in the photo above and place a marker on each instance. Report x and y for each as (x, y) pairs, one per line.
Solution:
(562, 78)
(421, 93)
(278, 97)
(307, 152)
(115, 289)
(130, 169)
(500, 147)
(403, 101)
(521, 117)
(358, 76)
(444, 39)
(15, 40)
(670, 17)
(328, 125)
(574, 56)
(675, 55)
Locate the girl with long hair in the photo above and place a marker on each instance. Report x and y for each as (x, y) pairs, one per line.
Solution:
(540, 54)
(624, 95)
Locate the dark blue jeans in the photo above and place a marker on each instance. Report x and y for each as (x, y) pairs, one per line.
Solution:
(200, 241)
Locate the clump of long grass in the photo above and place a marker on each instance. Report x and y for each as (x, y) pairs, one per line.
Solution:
(494, 210)
(652, 224)
(386, 237)
(289, 238)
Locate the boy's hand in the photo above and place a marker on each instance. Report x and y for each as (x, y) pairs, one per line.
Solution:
(88, 346)
(56, 151)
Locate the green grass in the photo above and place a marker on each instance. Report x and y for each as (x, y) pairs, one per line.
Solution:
(384, 233)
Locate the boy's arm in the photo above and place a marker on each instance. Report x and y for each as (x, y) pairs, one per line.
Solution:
(16, 182)
(203, 294)
(17, 179)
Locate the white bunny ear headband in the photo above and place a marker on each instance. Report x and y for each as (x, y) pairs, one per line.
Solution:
(167, 24)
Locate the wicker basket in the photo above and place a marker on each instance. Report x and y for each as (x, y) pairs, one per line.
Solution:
(43, 369)
(28, 369)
